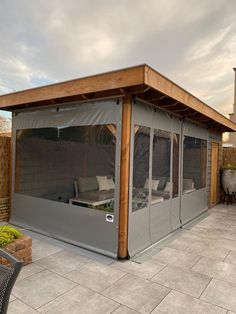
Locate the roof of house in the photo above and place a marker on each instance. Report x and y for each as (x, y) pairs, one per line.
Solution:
(141, 80)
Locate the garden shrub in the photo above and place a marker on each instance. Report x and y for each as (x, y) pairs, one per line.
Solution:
(7, 235)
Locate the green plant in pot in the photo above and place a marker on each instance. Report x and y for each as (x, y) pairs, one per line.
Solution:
(8, 234)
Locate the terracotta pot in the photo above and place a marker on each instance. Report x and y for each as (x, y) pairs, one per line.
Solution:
(229, 180)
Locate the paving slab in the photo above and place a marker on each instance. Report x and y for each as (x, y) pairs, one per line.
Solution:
(12, 297)
(137, 293)
(29, 270)
(41, 249)
(179, 303)
(95, 276)
(181, 243)
(216, 269)
(41, 288)
(182, 280)
(18, 307)
(202, 249)
(197, 238)
(176, 257)
(80, 300)
(231, 258)
(145, 270)
(63, 262)
(226, 243)
(221, 293)
(124, 310)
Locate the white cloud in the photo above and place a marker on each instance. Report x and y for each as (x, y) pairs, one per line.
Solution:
(191, 42)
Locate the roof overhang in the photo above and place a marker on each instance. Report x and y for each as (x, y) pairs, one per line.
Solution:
(142, 81)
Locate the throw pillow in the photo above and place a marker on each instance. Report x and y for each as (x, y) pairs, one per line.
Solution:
(168, 187)
(86, 184)
(154, 184)
(111, 184)
(162, 183)
(103, 183)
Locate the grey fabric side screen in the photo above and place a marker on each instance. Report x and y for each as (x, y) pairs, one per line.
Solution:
(52, 149)
(92, 113)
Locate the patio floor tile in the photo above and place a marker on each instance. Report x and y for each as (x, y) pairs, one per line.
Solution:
(180, 243)
(216, 269)
(95, 276)
(62, 262)
(179, 303)
(218, 253)
(197, 237)
(42, 249)
(145, 270)
(231, 258)
(29, 270)
(226, 243)
(18, 307)
(12, 297)
(176, 257)
(182, 280)
(41, 288)
(221, 293)
(80, 300)
(137, 293)
(201, 232)
(124, 310)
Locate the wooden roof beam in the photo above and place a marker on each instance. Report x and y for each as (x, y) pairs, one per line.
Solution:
(102, 82)
(169, 88)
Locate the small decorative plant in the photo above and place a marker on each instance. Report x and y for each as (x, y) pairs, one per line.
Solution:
(8, 234)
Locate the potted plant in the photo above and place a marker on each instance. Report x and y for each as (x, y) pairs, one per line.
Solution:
(16, 243)
(229, 178)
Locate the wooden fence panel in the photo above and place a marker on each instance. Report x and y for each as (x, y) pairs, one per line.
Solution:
(229, 156)
(5, 177)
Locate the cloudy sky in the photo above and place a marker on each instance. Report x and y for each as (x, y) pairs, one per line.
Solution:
(191, 42)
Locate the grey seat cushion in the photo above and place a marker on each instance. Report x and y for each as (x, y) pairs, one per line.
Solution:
(96, 195)
(162, 183)
(86, 184)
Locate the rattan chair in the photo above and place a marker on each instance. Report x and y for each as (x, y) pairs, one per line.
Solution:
(8, 275)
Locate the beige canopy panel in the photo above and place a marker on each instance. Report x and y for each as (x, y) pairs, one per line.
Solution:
(141, 81)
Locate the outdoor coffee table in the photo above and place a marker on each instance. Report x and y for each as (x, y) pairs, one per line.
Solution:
(89, 202)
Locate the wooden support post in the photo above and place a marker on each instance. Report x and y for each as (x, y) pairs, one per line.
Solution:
(124, 177)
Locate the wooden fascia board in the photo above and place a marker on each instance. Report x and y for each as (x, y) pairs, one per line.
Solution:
(102, 82)
(160, 83)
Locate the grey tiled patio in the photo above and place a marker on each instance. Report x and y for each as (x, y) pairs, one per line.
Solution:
(194, 272)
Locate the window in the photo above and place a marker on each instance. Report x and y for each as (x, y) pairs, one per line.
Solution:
(72, 165)
(161, 185)
(175, 166)
(141, 167)
(194, 164)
